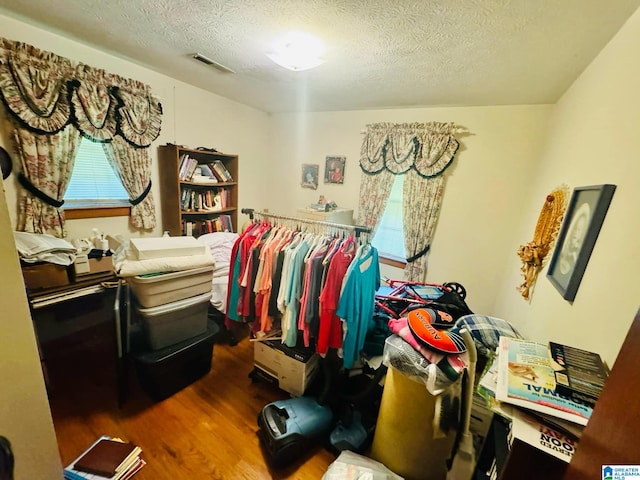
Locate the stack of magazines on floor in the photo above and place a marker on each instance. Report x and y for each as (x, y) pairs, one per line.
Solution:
(547, 391)
(106, 459)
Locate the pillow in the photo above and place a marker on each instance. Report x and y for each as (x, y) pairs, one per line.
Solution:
(486, 331)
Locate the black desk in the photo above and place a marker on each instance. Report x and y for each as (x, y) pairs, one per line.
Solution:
(64, 311)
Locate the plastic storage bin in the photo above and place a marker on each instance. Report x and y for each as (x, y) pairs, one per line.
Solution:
(167, 371)
(158, 289)
(174, 322)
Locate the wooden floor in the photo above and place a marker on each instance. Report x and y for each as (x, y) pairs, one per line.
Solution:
(206, 431)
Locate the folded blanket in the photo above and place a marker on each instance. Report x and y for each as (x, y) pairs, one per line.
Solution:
(131, 268)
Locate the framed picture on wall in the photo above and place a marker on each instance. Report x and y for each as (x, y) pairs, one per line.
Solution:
(578, 234)
(334, 169)
(310, 176)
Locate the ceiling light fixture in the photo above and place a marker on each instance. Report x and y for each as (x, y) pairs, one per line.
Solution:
(297, 51)
(208, 61)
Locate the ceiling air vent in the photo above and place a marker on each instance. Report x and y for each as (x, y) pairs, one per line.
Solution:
(208, 61)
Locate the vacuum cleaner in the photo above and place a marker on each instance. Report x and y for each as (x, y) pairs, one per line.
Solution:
(288, 428)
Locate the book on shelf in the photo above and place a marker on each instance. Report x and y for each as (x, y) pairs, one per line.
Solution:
(583, 373)
(526, 378)
(221, 171)
(191, 170)
(106, 459)
(182, 168)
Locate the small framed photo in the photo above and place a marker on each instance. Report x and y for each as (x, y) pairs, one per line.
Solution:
(334, 169)
(310, 176)
(578, 234)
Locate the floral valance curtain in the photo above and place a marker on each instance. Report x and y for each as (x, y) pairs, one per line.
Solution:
(428, 148)
(44, 93)
(421, 152)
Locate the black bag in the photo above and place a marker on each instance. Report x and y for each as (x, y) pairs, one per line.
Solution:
(452, 302)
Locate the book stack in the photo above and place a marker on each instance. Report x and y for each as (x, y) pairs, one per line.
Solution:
(525, 378)
(106, 459)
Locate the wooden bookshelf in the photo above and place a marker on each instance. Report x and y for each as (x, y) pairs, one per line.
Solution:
(176, 213)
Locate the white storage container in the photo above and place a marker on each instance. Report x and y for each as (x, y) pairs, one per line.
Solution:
(174, 322)
(159, 289)
(162, 247)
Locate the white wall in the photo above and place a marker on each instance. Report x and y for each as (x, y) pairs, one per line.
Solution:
(192, 117)
(487, 186)
(593, 140)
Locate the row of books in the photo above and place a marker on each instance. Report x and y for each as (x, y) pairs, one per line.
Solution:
(190, 170)
(208, 200)
(106, 459)
(222, 223)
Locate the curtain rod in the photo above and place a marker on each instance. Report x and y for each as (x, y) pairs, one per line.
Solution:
(358, 229)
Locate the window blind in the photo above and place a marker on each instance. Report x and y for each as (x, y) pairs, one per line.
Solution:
(93, 182)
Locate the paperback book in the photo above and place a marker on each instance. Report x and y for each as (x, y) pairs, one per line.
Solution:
(526, 378)
(583, 373)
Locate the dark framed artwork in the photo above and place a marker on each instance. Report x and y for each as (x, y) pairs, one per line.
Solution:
(334, 169)
(310, 176)
(578, 234)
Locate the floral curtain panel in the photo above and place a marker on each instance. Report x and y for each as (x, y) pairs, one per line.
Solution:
(374, 193)
(44, 93)
(421, 152)
(421, 202)
(46, 163)
(133, 167)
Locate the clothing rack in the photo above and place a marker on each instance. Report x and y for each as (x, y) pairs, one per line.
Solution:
(357, 229)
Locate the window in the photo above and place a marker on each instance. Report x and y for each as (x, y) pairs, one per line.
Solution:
(93, 183)
(389, 238)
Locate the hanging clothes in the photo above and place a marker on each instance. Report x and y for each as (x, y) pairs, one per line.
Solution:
(357, 301)
(310, 289)
(330, 325)
(235, 267)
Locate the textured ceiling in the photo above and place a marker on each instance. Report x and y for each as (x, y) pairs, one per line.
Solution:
(379, 53)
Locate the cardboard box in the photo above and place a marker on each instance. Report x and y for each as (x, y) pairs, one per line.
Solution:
(44, 275)
(84, 267)
(292, 367)
(99, 265)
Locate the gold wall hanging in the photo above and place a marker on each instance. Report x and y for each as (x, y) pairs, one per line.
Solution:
(533, 253)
